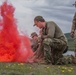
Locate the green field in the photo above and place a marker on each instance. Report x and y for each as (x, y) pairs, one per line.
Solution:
(36, 69)
(39, 69)
(70, 42)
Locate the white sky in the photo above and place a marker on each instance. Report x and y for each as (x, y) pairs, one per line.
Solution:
(59, 11)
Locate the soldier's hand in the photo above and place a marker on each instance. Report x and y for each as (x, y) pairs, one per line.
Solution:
(40, 32)
(42, 36)
(72, 34)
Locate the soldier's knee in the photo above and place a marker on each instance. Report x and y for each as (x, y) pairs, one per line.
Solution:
(47, 41)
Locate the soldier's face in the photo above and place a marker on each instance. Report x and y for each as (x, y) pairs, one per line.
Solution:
(35, 37)
(38, 24)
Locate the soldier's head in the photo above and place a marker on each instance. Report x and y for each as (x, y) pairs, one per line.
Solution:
(34, 35)
(39, 21)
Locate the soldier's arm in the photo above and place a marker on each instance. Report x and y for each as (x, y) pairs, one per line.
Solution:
(51, 30)
(73, 26)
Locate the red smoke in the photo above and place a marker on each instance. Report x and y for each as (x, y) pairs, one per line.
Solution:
(13, 46)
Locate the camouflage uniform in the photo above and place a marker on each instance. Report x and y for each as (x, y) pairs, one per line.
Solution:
(34, 43)
(73, 31)
(54, 42)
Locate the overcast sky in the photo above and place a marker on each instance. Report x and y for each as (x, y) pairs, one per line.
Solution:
(59, 11)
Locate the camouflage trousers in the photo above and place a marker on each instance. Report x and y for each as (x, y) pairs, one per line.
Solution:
(53, 49)
(75, 41)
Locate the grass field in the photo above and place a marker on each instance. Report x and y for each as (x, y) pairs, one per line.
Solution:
(71, 45)
(39, 69)
(36, 69)
(70, 42)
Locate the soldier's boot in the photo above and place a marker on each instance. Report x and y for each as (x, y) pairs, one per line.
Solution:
(47, 54)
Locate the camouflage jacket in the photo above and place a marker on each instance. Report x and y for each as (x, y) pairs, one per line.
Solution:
(74, 23)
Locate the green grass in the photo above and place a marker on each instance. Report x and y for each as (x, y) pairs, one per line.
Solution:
(71, 45)
(39, 69)
(36, 69)
(70, 42)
